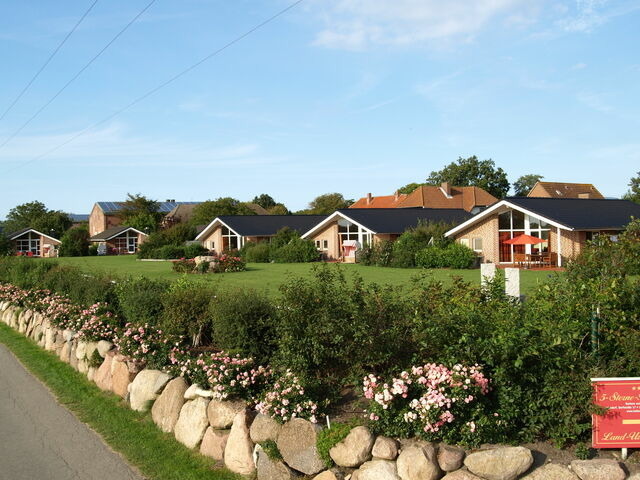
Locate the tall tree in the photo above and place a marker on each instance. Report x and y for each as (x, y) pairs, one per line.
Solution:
(36, 215)
(328, 203)
(264, 200)
(204, 212)
(75, 242)
(140, 212)
(634, 189)
(523, 185)
(279, 209)
(5, 245)
(409, 187)
(471, 172)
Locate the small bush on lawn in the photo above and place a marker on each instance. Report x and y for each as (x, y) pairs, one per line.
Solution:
(454, 255)
(140, 300)
(379, 254)
(194, 250)
(186, 312)
(75, 242)
(175, 236)
(243, 321)
(297, 250)
(255, 252)
(416, 239)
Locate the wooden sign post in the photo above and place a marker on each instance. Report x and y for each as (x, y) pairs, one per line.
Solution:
(619, 425)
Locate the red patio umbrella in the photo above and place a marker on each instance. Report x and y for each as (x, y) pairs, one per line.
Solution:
(524, 240)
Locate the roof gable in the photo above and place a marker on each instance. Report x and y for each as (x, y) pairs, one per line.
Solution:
(262, 225)
(113, 232)
(19, 233)
(566, 213)
(393, 220)
(431, 196)
(382, 201)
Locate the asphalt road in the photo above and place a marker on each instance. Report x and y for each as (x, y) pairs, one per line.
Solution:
(41, 440)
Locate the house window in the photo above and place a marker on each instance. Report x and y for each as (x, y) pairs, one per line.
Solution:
(318, 244)
(230, 240)
(477, 244)
(351, 231)
(514, 223)
(325, 244)
(30, 243)
(464, 241)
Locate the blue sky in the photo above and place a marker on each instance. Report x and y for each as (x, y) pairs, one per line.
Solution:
(352, 96)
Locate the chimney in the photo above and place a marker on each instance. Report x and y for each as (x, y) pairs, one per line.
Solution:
(369, 198)
(446, 188)
(584, 195)
(396, 194)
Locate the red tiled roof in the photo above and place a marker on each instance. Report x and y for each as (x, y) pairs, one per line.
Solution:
(384, 201)
(429, 196)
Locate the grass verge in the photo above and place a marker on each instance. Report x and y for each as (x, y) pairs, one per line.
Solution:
(156, 454)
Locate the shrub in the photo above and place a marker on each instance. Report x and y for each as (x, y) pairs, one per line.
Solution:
(255, 252)
(454, 255)
(75, 243)
(184, 265)
(140, 300)
(169, 252)
(433, 402)
(416, 239)
(243, 322)
(145, 344)
(379, 254)
(80, 288)
(186, 312)
(329, 330)
(194, 250)
(92, 251)
(6, 247)
(175, 236)
(287, 399)
(229, 376)
(228, 263)
(297, 250)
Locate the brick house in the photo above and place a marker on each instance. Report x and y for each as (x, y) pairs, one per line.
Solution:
(471, 199)
(564, 225)
(31, 242)
(120, 240)
(229, 232)
(334, 237)
(105, 215)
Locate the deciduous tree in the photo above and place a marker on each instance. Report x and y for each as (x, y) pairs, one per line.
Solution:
(204, 212)
(523, 185)
(634, 191)
(472, 172)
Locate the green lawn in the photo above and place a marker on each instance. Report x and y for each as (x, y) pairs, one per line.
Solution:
(269, 276)
(158, 455)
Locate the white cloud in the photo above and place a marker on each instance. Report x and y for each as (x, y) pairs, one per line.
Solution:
(589, 14)
(113, 146)
(358, 24)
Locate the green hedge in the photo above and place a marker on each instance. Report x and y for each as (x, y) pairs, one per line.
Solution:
(453, 255)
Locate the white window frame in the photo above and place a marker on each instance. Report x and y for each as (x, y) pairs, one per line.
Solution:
(474, 247)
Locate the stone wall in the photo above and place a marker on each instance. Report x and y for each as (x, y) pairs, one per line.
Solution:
(229, 432)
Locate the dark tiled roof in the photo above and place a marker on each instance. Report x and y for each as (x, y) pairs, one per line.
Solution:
(266, 225)
(397, 220)
(18, 233)
(109, 233)
(582, 213)
(163, 207)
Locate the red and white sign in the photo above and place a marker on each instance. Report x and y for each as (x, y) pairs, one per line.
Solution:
(619, 426)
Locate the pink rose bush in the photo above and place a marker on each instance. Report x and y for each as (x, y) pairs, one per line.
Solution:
(228, 376)
(286, 399)
(430, 401)
(97, 323)
(145, 344)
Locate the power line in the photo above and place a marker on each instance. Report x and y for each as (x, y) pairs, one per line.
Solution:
(64, 87)
(162, 85)
(53, 54)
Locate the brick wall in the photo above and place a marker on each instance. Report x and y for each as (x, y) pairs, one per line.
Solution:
(487, 230)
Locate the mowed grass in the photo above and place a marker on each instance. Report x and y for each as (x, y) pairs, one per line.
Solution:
(269, 276)
(156, 454)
